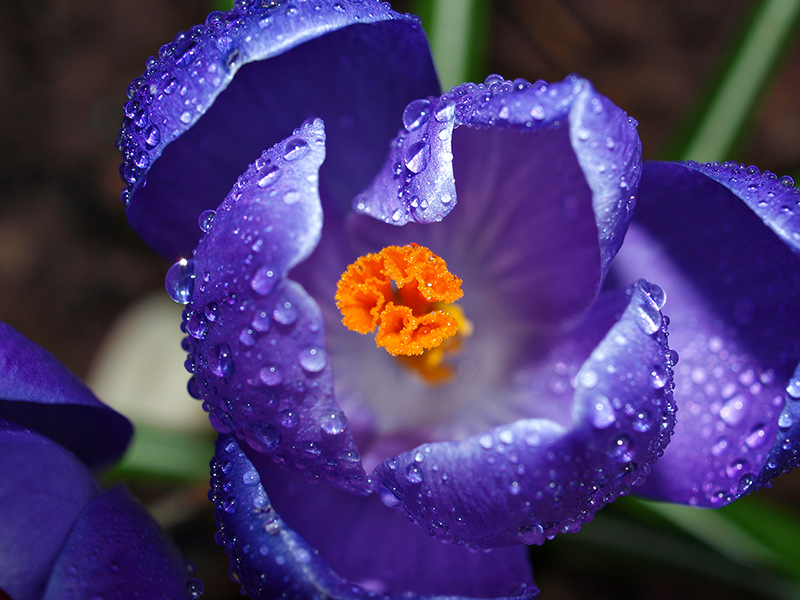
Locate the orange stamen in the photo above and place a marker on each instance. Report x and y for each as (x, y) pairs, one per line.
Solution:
(400, 290)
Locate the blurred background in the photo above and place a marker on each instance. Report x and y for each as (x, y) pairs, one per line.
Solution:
(70, 265)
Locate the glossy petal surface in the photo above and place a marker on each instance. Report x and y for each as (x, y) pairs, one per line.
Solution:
(115, 545)
(417, 181)
(221, 92)
(270, 558)
(534, 478)
(256, 339)
(43, 489)
(37, 392)
(723, 240)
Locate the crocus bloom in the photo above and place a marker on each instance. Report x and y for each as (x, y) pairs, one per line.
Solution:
(340, 468)
(62, 535)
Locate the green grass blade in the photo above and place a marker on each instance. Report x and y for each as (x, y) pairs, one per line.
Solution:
(458, 34)
(164, 454)
(748, 531)
(716, 130)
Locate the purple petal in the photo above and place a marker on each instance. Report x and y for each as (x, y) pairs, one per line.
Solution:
(418, 184)
(271, 558)
(257, 340)
(43, 489)
(115, 545)
(708, 233)
(37, 392)
(220, 93)
(534, 478)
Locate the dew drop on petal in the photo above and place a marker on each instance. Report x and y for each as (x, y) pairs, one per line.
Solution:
(793, 387)
(312, 359)
(263, 281)
(757, 437)
(622, 449)
(179, 281)
(416, 114)
(261, 321)
(602, 414)
(416, 156)
(642, 421)
(414, 473)
(533, 535)
(333, 423)
(445, 111)
(659, 377)
(267, 175)
(734, 410)
(295, 148)
(270, 375)
(285, 313)
(221, 360)
(205, 219)
(388, 498)
(262, 437)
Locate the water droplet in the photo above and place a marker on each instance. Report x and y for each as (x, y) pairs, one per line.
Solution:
(793, 387)
(642, 421)
(757, 437)
(186, 117)
(785, 421)
(247, 337)
(537, 112)
(211, 311)
(648, 316)
(251, 477)
(485, 441)
(261, 321)
(416, 114)
(263, 281)
(736, 468)
(414, 473)
(205, 219)
(197, 325)
(445, 111)
(289, 419)
(295, 148)
(733, 411)
(152, 136)
(179, 281)
(221, 360)
(602, 414)
(312, 359)
(622, 449)
(285, 313)
(262, 437)
(267, 175)
(270, 375)
(533, 535)
(656, 294)
(388, 498)
(333, 423)
(588, 378)
(416, 156)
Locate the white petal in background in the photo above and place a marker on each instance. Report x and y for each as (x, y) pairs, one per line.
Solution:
(139, 368)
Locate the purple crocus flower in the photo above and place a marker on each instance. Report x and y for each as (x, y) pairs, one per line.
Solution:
(62, 536)
(342, 470)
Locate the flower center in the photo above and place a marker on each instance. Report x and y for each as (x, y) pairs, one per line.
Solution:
(407, 293)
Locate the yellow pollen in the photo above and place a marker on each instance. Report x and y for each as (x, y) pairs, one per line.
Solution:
(407, 293)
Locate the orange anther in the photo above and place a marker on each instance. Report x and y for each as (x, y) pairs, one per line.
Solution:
(397, 290)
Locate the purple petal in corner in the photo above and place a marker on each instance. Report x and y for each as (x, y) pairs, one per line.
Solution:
(223, 91)
(37, 392)
(723, 239)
